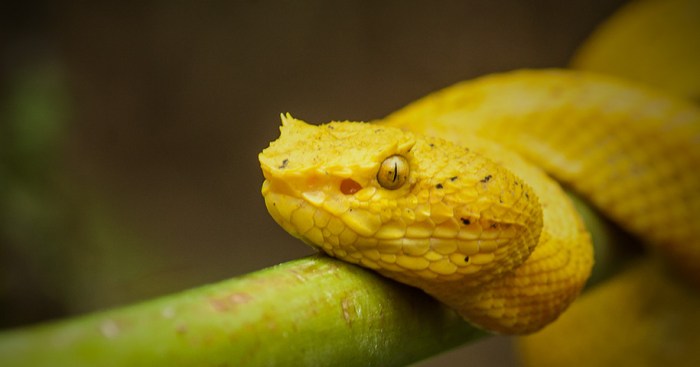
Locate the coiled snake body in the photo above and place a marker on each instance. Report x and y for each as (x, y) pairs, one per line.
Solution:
(428, 196)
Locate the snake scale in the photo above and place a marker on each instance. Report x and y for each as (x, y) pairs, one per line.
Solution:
(450, 194)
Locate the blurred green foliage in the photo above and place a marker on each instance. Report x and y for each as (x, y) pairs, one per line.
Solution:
(35, 215)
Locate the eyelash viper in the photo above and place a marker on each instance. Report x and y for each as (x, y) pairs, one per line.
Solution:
(502, 246)
(466, 230)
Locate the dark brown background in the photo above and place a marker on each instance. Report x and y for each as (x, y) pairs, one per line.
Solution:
(152, 176)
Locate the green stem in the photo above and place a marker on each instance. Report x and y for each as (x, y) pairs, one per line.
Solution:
(312, 311)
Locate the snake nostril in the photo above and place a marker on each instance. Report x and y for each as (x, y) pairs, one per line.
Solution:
(349, 186)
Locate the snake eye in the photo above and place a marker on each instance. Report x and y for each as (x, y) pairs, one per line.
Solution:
(393, 172)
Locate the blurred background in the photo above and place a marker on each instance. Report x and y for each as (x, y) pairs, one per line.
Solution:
(129, 132)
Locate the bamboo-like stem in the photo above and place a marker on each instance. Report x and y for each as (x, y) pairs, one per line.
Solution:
(312, 311)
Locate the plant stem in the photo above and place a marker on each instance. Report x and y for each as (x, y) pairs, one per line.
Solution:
(312, 311)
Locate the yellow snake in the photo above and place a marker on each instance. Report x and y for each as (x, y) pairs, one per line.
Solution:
(428, 196)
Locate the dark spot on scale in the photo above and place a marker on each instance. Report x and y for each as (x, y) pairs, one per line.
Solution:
(486, 179)
(494, 225)
(453, 178)
(330, 127)
(432, 145)
(466, 221)
(466, 259)
(284, 164)
(438, 186)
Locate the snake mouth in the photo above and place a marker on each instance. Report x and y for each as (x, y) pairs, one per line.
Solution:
(282, 206)
(304, 216)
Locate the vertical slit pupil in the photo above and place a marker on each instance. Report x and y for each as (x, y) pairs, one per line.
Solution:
(393, 172)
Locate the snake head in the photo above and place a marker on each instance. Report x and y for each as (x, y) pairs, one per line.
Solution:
(413, 208)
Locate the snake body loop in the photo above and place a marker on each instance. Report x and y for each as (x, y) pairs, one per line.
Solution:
(632, 151)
